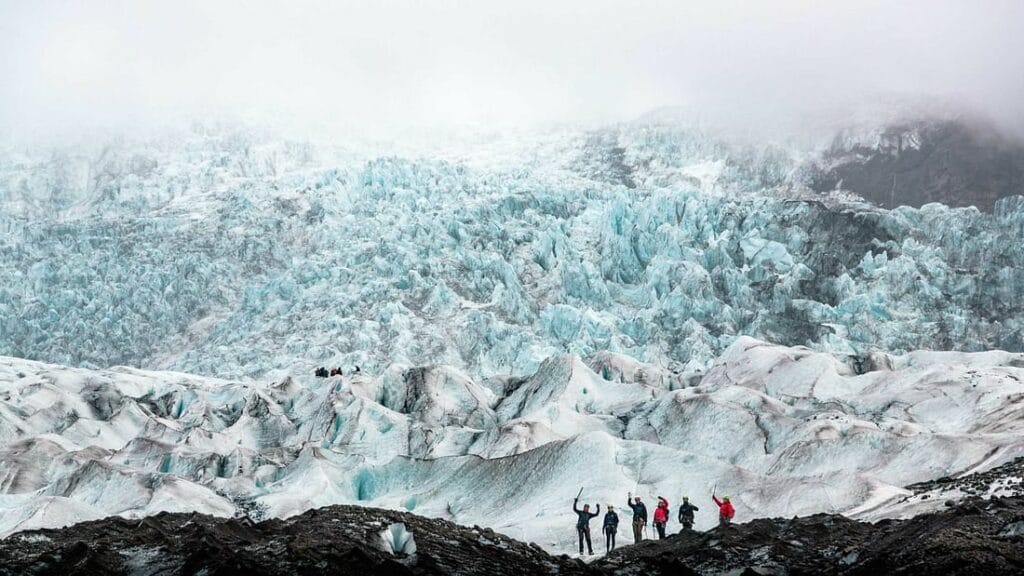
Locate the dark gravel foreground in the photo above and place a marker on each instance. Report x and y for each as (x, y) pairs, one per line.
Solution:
(976, 537)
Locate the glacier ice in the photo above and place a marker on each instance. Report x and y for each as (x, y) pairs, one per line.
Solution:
(396, 539)
(530, 315)
(784, 430)
(233, 254)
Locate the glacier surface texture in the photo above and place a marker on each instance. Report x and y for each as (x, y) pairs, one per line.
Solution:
(784, 431)
(234, 255)
(642, 308)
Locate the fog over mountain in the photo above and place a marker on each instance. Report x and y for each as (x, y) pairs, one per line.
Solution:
(387, 67)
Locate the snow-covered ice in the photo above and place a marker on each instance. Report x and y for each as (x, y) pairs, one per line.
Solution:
(783, 430)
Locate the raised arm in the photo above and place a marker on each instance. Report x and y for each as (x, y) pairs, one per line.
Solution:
(575, 508)
(717, 501)
(598, 511)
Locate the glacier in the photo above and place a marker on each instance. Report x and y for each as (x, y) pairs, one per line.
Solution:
(236, 254)
(646, 307)
(784, 430)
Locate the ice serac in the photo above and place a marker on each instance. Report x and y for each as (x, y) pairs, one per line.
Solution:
(783, 430)
(237, 255)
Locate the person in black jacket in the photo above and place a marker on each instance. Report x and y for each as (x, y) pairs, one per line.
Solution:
(639, 516)
(611, 526)
(686, 511)
(583, 523)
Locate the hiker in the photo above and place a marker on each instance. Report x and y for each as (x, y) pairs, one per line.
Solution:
(639, 516)
(725, 510)
(611, 526)
(321, 372)
(357, 369)
(661, 517)
(336, 372)
(583, 523)
(686, 511)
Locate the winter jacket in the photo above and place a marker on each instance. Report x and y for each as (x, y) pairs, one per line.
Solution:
(611, 522)
(639, 510)
(661, 512)
(725, 509)
(686, 511)
(584, 517)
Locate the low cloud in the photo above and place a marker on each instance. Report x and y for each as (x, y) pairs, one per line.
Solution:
(393, 65)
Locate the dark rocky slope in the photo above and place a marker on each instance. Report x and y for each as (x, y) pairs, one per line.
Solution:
(957, 162)
(975, 537)
(333, 540)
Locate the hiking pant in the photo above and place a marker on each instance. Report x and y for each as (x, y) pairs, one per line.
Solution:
(609, 541)
(660, 526)
(724, 520)
(584, 532)
(687, 526)
(638, 529)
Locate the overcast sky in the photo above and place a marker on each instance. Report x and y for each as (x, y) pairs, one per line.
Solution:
(395, 64)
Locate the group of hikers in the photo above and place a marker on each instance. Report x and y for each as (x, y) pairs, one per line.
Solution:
(322, 372)
(639, 509)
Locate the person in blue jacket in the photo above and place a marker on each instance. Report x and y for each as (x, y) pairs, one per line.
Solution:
(611, 526)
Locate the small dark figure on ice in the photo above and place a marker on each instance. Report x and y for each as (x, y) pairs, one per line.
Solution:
(686, 511)
(639, 516)
(583, 523)
(611, 526)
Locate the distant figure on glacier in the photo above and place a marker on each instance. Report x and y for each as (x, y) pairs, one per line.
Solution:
(336, 372)
(725, 510)
(686, 511)
(611, 527)
(320, 372)
(661, 517)
(639, 516)
(583, 523)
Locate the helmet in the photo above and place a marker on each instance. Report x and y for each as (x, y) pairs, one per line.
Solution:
(726, 498)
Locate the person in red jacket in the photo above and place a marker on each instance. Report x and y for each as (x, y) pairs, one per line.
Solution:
(725, 510)
(661, 517)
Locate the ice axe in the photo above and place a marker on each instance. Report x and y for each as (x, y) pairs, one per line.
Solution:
(580, 493)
